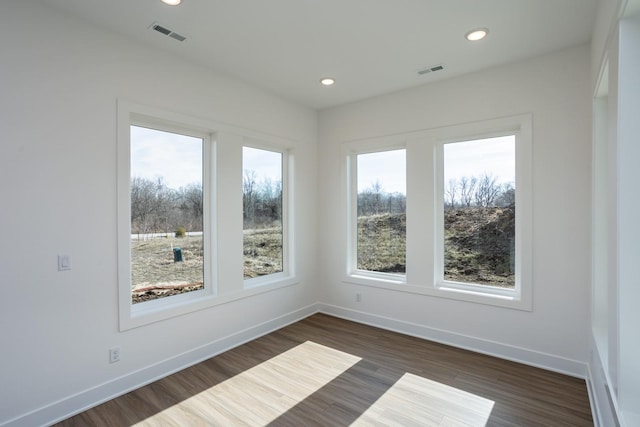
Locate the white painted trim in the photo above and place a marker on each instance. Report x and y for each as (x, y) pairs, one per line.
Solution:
(287, 205)
(593, 401)
(79, 402)
(427, 278)
(216, 137)
(600, 389)
(350, 152)
(525, 356)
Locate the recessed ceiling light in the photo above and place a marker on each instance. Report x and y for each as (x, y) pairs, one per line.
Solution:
(476, 34)
(172, 2)
(327, 81)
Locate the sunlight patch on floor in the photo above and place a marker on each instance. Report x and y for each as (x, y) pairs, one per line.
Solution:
(417, 401)
(261, 394)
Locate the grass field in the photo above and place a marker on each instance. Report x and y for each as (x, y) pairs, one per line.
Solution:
(478, 249)
(382, 243)
(262, 250)
(154, 274)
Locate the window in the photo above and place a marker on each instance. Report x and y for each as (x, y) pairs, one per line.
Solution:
(380, 213)
(180, 214)
(167, 247)
(479, 212)
(449, 214)
(166, 227)
(262, 205)
(483, 221)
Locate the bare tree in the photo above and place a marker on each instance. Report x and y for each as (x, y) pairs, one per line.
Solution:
(401, 202)
(276, 201)
(156, 207)
(191, 207)
(164, 204)
(249, 195)
(396, 202)
(508, 195)
(269, 201)
(376, 191)
(148, 199)
(262, 201)
(487, 191)
(467, 188)
(373, 200)
(451, 193)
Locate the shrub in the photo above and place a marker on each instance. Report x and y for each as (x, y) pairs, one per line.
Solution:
(181, 232)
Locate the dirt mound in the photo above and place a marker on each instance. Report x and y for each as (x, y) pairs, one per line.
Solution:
(480, 245)
(154, 292)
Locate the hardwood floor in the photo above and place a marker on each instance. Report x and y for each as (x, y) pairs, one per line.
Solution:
(325, 371)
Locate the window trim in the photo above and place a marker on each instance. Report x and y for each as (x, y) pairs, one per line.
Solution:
(287, 274)
(422, 211)
(452, 285)
(354, 274)
(521, 296)
(134, 315)
(225, 140)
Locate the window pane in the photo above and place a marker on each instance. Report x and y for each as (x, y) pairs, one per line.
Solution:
(479, 211)
(381, 216)
(262, 212)
(167, 250)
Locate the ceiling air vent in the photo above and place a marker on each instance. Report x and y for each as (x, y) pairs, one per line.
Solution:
(430, 69)
(167, 32)
(177, 36)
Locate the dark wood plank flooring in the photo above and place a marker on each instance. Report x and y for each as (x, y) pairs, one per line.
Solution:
(523, 395)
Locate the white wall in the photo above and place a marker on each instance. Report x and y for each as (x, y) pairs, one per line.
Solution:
(555, 88)
(60, 79)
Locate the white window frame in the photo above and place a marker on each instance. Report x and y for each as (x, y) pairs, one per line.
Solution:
(522, 193)
(223, 164)
(287, 273)
(425, 226)
(134, 315)
(354, 274)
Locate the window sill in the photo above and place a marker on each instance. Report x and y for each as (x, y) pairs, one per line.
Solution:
(372, 279)
(155, 311)
(269, 280)
(505, 298)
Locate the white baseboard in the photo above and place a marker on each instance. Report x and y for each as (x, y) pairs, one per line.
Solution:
(604, 404)
(525, 356)
(94, 396)
(593, 402)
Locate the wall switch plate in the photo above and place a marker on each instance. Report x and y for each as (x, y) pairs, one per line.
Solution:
(114, 354)
(64, 262)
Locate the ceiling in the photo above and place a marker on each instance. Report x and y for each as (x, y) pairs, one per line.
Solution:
(370, 47)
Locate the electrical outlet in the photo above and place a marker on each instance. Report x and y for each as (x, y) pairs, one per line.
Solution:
(114, 354)
(358, 297)
(64, 262)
